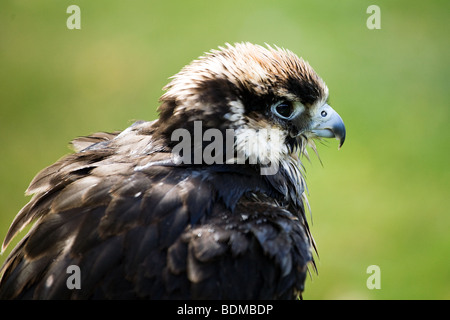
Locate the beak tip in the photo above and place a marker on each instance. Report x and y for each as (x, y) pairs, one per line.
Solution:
(341, 142)
(340, 133)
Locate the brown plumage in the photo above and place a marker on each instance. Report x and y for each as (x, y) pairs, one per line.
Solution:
(141, 224)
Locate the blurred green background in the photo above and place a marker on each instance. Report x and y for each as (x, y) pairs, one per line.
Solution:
(383, 199)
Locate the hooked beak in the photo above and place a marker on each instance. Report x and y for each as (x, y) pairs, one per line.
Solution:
(327, 123)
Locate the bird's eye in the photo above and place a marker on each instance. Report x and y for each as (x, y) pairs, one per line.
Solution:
(324, 113)
(284, 110)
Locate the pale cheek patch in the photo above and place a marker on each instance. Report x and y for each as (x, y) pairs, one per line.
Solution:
(236, 114)
(260, 146)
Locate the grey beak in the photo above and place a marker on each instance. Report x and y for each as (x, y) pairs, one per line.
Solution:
(327, 123)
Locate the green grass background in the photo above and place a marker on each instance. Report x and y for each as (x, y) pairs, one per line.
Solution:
(383, 199)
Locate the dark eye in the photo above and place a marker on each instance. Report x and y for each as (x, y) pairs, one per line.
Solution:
(284, 109)
(323, 113)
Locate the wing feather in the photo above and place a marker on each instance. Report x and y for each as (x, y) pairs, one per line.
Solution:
(160, 231)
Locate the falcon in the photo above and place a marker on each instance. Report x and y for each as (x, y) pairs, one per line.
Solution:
(132, 215)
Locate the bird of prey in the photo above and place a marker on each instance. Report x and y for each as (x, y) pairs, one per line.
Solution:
(127, 217)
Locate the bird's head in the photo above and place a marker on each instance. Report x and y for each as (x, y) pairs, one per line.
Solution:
(273, 100)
